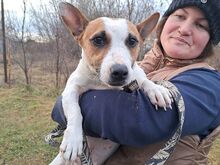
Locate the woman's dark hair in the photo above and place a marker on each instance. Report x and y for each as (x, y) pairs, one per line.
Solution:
(207, 52)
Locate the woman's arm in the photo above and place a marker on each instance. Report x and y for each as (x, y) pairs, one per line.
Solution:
(130, 118)
(126, 118)
(201, 94)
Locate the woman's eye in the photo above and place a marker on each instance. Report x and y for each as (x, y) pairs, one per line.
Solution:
(131, 41)
(201, 26)
(181, 17)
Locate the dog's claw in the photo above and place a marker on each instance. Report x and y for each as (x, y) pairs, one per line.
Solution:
(159, 95)
(170, 106)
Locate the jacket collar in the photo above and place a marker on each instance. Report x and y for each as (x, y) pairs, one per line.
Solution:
(168, 61)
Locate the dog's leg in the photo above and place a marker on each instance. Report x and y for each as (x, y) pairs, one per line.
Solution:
(158, 95)
(71, 146)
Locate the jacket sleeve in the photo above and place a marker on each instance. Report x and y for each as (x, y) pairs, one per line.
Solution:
(130, 118)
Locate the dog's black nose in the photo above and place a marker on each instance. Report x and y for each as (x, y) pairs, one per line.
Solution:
(118, 74)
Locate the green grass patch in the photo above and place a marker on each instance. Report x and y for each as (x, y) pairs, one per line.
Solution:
(24, 121)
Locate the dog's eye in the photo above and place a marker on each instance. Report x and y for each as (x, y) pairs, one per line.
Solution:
(131, 41)
(99, 40)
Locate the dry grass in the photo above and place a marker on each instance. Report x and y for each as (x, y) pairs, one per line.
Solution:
(25, 120)
(214, 155)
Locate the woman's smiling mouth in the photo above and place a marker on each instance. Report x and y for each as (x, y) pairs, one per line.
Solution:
(181, 40)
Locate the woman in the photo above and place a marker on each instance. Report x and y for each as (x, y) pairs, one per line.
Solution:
(186, 35)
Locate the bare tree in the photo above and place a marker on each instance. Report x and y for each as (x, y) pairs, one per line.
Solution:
(132, 10)
(63, 53)
(19, 34)
(24, 66)
(4, 42)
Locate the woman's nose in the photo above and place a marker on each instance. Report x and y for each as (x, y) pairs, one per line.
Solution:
(185, 28)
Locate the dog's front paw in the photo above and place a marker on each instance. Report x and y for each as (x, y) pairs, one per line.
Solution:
(71, 146)
(158, 95)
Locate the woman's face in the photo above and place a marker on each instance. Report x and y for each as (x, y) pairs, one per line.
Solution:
(185, 33)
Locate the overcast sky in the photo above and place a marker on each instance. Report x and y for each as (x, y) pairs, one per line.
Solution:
(17, 5)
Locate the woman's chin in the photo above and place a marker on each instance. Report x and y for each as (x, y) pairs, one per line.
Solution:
(176, 53)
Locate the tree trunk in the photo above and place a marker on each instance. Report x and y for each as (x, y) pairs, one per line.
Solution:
(25, 68)
(4, 43)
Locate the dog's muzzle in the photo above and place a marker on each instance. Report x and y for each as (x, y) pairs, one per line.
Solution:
(118, 75)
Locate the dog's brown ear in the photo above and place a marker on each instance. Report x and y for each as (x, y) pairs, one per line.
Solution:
(72, 18)
(147, 26)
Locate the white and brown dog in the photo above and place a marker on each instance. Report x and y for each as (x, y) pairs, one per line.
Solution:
(110, 48)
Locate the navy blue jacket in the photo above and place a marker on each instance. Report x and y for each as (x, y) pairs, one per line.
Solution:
(130, 118)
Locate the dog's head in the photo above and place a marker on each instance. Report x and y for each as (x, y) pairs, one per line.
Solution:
(110, 46)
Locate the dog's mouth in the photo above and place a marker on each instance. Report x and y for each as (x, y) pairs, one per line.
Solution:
(117, 83)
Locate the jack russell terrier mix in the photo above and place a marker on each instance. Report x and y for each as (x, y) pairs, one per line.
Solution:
(110, 48)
